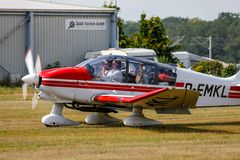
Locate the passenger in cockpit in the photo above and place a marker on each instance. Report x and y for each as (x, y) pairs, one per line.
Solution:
(141, 75)
(114, 74)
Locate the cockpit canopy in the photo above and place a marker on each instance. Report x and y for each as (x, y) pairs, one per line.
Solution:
(123, 69)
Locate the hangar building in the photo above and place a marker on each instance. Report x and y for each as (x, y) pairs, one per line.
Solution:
(55, 31)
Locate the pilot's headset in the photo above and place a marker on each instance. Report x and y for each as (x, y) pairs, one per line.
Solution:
(144, 68)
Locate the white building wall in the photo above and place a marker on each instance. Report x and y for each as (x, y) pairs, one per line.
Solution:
(53, 43)
(12, 43)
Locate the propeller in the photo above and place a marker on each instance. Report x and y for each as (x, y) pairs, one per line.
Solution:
(32, 78)
(29, 61)
(38, 67)
(34, 101)
(25, 90)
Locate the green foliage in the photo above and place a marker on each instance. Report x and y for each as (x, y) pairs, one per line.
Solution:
(167, 59)
(224, 31)
(110, 5)
(209, 67)
(180, 65)
(230, 70)
(124, 41)
(215, 68)
(152, 35)
(5, 81)
(54, 65)
(130, 28)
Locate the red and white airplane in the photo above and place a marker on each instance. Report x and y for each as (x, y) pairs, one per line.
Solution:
(109, 83)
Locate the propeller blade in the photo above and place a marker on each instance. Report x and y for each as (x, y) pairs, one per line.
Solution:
(29, 61)
(34, 101)
(38, 67)
(25, 90)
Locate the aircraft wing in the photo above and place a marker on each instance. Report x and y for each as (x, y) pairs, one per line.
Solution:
(160, 98)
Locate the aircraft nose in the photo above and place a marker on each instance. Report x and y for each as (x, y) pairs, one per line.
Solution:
(67, 73)
(31, 79)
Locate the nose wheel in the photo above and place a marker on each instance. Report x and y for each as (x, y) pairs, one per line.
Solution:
(55, 118)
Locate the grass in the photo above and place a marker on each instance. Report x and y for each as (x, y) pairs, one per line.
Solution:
(211, 133)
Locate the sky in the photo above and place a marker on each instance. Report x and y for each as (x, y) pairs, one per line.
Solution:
(132, 9)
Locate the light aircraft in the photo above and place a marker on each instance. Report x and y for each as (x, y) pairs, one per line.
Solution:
(110, 83)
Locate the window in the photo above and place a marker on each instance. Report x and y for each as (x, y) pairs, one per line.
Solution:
(123, 69)
(107, 68)
(140, 73)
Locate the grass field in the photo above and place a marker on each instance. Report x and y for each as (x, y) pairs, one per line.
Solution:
(212, 133)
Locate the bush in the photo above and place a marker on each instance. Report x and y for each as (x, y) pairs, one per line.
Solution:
(215, 68)
(209, 67)
(54, 65)
(230, 70)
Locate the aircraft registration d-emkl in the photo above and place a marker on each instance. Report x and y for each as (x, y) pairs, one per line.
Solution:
(110, 83)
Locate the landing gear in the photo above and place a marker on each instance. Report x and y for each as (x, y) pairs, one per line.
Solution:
(137, 119)
(55, 118)
(100, 118)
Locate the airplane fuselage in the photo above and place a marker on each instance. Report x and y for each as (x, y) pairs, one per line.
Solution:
(108, 83)
(78, 84)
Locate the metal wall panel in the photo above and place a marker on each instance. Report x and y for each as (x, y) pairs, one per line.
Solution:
(53, 43)
(12, 48)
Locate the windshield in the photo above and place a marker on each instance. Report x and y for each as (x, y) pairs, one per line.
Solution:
(113, 68)
(83, 63)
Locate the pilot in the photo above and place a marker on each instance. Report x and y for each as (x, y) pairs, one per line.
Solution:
(115, 74)
(141, 75)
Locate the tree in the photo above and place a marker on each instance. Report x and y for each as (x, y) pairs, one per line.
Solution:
(111, 5)
(124, 41)
(130, 28)
(224, 31)
(152, 35)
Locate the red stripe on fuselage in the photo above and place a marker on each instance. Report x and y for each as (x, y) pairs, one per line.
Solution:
(233, 95)
(89, 85)
(235, 88)
(179, 84)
